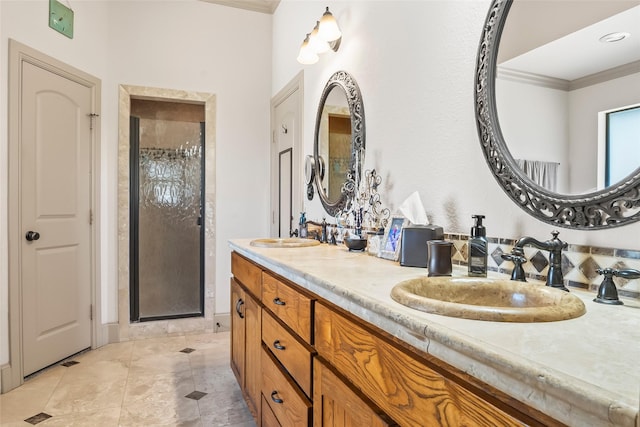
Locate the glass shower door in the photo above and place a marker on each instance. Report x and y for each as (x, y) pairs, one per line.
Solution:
(167, 233)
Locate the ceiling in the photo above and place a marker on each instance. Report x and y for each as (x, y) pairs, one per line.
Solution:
(264, 6)
(579, 53)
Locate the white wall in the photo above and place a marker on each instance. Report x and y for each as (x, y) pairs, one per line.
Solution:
(199, 46)
(180, 44)
(520, 124)
(414, 62)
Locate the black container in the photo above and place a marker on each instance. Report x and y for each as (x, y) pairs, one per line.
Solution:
(439, 262)
(413, 244)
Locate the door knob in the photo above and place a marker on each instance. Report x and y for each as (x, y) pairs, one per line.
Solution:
(32, 235)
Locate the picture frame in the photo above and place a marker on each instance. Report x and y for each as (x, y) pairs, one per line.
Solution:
(390, 248)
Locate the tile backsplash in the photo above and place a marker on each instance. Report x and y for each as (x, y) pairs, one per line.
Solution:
(579, 263)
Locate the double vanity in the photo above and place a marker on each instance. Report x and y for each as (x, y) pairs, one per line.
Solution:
(317, 337)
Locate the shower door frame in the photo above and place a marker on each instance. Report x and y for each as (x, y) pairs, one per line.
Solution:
(134, 215)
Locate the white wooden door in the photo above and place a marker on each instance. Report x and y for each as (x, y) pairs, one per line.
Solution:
(55, 188)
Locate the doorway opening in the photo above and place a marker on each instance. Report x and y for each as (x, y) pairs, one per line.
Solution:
(166, 207)
(286, 157)
(285, 196)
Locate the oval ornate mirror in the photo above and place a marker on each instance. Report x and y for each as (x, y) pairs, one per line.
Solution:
(548, 127)
(339, 141)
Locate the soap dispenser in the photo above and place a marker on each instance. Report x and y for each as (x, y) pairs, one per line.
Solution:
(478, 248)
(302, 225)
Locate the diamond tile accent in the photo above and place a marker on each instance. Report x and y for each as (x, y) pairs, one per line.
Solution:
(567, 265)
(187, 350)
(539, 261)
(589, 267)
(69, 363)
(196, 395)
(464, 251)
(497, 256)
(38, 418)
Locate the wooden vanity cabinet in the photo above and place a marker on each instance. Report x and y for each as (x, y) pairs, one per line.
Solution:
(302, 361)
(246, 325)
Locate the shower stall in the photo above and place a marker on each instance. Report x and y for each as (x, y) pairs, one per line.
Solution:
(166, 210)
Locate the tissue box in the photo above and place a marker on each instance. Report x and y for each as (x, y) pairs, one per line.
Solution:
(413, 244)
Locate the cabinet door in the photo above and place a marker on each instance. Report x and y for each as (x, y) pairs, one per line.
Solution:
(253, 348)
(396, 381)
(238, 332)
(337, 405)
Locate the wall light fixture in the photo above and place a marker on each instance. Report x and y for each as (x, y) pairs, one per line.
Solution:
(325, 36)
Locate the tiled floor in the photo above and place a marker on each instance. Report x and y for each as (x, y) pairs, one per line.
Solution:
(183, 381)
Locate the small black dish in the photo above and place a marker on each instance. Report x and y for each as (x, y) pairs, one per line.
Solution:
(355, 243)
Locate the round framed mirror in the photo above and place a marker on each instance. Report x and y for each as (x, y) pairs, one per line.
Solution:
(339, 142)
(547, 127)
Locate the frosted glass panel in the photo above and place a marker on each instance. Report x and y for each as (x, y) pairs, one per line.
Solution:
(169, 201)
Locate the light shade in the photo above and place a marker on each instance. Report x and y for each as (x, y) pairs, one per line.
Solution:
(317, 43)
(307, 55)
(328, 28)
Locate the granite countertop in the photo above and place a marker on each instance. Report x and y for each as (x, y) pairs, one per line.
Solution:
(583, 371)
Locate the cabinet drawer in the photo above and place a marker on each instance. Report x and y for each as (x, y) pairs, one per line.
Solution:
(268, 417)
(247, 273)
(397, 382)
(293, 355)
(288, 304)
(288, 403)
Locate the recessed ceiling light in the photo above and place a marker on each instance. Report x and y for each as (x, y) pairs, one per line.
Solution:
(614, 37)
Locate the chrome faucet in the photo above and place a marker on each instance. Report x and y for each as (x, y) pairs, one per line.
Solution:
(554, 246)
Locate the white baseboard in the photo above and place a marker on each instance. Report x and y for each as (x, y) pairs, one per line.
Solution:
(110, 333)
(6, 383)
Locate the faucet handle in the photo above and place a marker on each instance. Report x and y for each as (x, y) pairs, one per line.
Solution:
(627, 273)
(607, 291)
(517, 257)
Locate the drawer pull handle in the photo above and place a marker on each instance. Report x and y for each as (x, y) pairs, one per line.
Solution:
(278, 346)
(274, 393)
(278, 301)
(238, 305)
